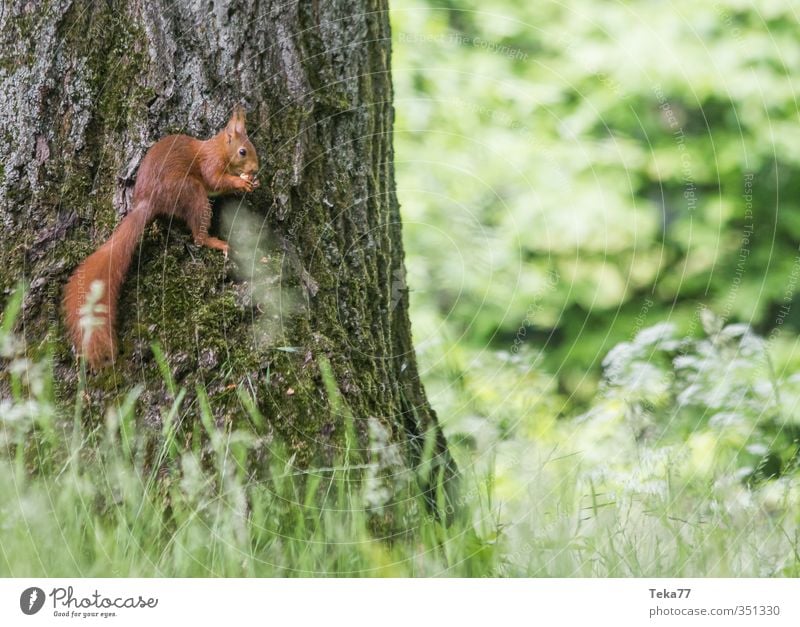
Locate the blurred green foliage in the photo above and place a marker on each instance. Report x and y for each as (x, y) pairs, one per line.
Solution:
(600, 210)
(570, 173)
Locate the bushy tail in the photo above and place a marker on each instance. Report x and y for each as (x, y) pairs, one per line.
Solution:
(92, 328)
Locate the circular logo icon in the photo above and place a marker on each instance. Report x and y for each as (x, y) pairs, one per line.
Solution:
(31, 600)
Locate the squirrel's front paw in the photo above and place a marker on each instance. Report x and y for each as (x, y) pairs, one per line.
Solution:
(250, 182)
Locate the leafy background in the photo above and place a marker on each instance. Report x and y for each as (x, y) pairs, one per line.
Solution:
(600, 205)
(610, 147)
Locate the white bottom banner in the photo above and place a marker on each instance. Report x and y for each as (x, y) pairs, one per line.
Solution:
(400, 602)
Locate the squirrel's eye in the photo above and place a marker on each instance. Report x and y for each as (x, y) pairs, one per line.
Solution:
(242, 151)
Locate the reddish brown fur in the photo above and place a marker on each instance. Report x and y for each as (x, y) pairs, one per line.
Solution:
(175, 177)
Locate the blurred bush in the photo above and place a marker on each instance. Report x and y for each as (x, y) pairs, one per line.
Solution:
(571, 173)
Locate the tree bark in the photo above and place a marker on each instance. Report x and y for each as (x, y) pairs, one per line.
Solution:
(316, 275)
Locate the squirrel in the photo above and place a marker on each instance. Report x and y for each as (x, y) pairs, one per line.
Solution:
(176, 178)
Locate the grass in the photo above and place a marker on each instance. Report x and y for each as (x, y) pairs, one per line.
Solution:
(93, 509)
(541, 497)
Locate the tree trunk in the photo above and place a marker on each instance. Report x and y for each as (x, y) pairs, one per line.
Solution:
(316, 274)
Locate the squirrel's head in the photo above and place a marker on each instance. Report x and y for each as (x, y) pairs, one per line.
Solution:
(242, 157)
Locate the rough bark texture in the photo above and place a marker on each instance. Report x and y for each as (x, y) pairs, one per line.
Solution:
(317, 274)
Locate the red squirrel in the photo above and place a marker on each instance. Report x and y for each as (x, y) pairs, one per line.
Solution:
(176, 177)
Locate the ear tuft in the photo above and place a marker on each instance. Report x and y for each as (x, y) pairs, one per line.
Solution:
(236, 125)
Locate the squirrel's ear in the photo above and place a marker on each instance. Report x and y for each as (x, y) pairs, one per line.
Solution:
(236, 123)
